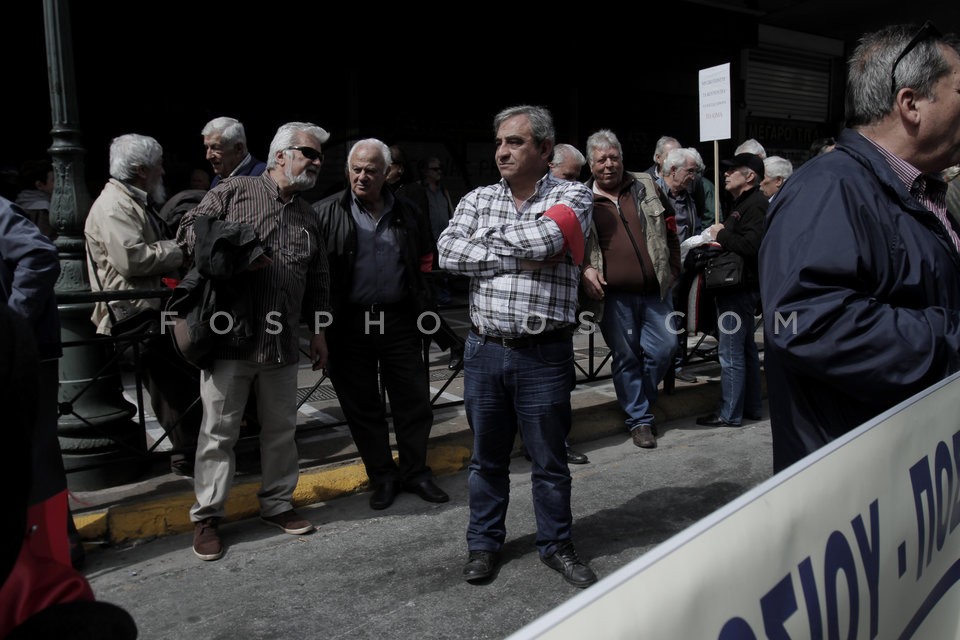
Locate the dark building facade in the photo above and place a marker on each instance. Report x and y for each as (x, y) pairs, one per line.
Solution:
(170, 67)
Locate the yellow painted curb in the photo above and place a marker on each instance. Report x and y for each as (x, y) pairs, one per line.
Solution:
(171, 515)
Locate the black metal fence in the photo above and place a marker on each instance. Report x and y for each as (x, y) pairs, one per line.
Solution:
(103, 435)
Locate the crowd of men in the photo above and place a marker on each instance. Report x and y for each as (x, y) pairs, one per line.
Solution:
(856, 245)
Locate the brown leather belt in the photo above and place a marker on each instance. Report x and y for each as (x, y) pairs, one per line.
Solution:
(528, 340)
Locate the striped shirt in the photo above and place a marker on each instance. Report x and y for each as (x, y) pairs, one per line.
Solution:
(297, 281)
(488, 237)
(930, 191)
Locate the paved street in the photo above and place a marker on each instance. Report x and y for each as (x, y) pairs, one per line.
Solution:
(396, 573)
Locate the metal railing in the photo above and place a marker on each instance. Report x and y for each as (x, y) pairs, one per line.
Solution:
(128, 350)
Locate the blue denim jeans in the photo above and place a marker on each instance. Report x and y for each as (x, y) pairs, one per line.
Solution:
(506, 389)
(638, 330)
(739, 360)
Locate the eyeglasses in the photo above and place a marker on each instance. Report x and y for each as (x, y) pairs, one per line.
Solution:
(308, 152)
(435, 168)
(926, 31)
(694, 172)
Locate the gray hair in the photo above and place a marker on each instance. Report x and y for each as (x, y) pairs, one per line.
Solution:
(678, 157)
(562, 150)
(751, 146)
(777, 167)
(372, 142)
(661, 144)
(868, 71)
(285, 138)
(603, 139)
(230, 129)
(130, 151)
(541, 122)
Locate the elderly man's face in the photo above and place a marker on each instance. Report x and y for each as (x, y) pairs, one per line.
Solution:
(606, 165)
(302, 162)
(569, 169)
(681, 178)
(367, 172)
(224, 158)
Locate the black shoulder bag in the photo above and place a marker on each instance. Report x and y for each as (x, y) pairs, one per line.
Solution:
(126, 320)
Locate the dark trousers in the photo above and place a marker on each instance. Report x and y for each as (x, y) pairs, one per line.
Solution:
(359, 351)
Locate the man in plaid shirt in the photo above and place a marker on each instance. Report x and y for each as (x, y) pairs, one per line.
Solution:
(521, 242)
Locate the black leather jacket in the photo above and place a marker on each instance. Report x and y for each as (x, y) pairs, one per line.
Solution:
(339, 230)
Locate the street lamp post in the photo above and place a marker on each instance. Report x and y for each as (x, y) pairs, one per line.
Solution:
(95, 425)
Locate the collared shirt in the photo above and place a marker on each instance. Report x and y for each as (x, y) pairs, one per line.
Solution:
(298, 279)
(930, 191)
(378, 271)
(488, 237)
(685, 213)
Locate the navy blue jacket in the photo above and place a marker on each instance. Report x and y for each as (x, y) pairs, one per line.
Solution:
(874, 282)
(253, 168)
(29, 268)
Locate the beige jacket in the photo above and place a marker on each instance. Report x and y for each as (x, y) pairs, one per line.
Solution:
(125, 249)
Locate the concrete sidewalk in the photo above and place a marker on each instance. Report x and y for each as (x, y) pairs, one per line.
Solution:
(330, 468)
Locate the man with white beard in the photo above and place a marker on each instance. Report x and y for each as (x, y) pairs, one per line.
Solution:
(129, 247)
(288, 280)
(126, 241)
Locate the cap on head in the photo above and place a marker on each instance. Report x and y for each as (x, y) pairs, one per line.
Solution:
(748, 160)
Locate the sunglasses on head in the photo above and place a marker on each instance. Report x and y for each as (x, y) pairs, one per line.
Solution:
(308, 152)
(927, 31)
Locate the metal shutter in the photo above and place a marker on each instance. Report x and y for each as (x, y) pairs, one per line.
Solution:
(788, 84)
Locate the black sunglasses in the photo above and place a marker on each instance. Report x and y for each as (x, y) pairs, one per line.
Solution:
(308, 152)
(926, 31)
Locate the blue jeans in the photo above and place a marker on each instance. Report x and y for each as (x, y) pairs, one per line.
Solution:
(739, 360)
(506, 389)
(638, 330)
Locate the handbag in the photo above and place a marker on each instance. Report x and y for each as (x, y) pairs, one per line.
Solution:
(724, 270)
(126, 319)
(132, 321)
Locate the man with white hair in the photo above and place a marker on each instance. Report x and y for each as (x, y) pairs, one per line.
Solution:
(380, 248)
(680, 169)
(632, 264)
(751, 146)
(289, 280)
(128, 248)
(567, 162)
(225, 141)
(776, 171)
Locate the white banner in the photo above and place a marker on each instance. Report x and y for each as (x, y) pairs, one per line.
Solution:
(715, 103)
(858, 540)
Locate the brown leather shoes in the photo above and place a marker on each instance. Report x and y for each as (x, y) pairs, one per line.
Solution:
(289, 522)
(206, 540)
(643, 437)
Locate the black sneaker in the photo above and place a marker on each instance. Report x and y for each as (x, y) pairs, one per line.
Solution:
(566, 562)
